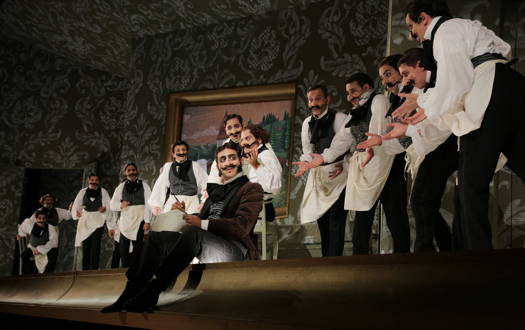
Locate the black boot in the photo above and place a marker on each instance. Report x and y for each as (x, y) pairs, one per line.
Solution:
(129, 292)
(146, 300)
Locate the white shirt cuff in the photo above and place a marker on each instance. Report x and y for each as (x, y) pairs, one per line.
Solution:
(204, 224)
(411, 131)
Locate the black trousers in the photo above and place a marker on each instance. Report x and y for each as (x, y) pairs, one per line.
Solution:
(167, 254)
(394, 201)
(115, 256)
(332, 228)
(427, 192)
(502, 130)
(91, 250)
(28, 261)
(126, 257)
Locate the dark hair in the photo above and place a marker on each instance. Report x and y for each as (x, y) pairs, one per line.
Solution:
(411, 57)
(232, 116)
(40, 212)
(130, 164)
(390, 61)
(41, 200)
(179, 143)
(258, 132)
(433, 8)
(361, 78)
(318, 86)
(229, 145)
(92, 174)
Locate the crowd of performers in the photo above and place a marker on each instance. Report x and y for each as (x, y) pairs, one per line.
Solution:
(455, 104)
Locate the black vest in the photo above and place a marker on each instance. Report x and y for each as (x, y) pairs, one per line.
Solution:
(360, 122)
(133, 196)
(92, 206)
(429, 62)
(182, 187)
(324, 129)
(39, 235)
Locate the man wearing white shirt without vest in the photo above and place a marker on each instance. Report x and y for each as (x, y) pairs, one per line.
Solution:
(264, 167)
(323, 198)
(91, 209)
(477, 97)
(366, 185)
(42, 249)
(181, 179)
(130, 199)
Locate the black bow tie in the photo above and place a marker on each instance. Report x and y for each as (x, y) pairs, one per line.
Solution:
(182, 172)
(319, 127)
(218, 192)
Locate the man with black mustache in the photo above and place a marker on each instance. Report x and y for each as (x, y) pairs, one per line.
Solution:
(129, 198)
(54, 215)
(263, 166)
(182, 180)
(91, 209)
(430, 172)
(232, 127)
(323, 198)
(222, 232)
(366, 185)
(42, 249)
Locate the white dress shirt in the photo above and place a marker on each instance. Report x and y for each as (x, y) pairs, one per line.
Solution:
(308, 148)
(78, 203)
(269, 172)
(117, 198)
(344, 139)
(25, 231)
(455, 43)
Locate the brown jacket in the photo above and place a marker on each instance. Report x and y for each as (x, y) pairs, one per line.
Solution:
(239, 216)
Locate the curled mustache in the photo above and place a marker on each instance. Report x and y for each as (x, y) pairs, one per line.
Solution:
(228, 167)
(181, 155)
(234, 133)
(249, 145)
(314, 107)
(411, 82)
(392, 85)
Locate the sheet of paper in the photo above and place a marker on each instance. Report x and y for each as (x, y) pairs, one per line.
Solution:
(169, 221)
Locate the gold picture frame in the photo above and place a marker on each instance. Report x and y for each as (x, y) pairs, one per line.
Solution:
(255, 96)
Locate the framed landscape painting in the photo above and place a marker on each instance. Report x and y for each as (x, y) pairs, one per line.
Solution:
(197, 118)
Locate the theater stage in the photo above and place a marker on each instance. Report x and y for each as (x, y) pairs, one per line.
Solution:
(478, 290)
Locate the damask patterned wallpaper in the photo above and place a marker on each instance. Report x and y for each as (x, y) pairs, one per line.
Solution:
(55, 114)
(324, 43)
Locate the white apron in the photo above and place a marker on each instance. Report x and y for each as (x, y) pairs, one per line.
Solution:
(192, 203)
(87, 224)
(130, 219)
(364, 185)
(321, 192)
(41, 260)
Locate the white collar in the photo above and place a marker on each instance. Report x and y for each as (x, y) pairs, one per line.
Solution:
(428, 32)
(234, 178)
(364, 97)
(323, 114)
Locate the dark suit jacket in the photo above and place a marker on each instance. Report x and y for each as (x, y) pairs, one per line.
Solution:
(239, 216)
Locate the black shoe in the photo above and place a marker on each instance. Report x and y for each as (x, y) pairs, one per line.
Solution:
(129, 292)
(146, 300)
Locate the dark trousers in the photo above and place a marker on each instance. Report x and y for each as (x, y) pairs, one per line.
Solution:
(394, 201)
(124, 243)
(502, 130)
(115, 256)
(332, 228)
(167, 254)
(91, 250)
(427, 192)
(28, 261)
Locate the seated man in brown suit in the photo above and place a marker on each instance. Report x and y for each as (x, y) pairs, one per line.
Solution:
(221, 232)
